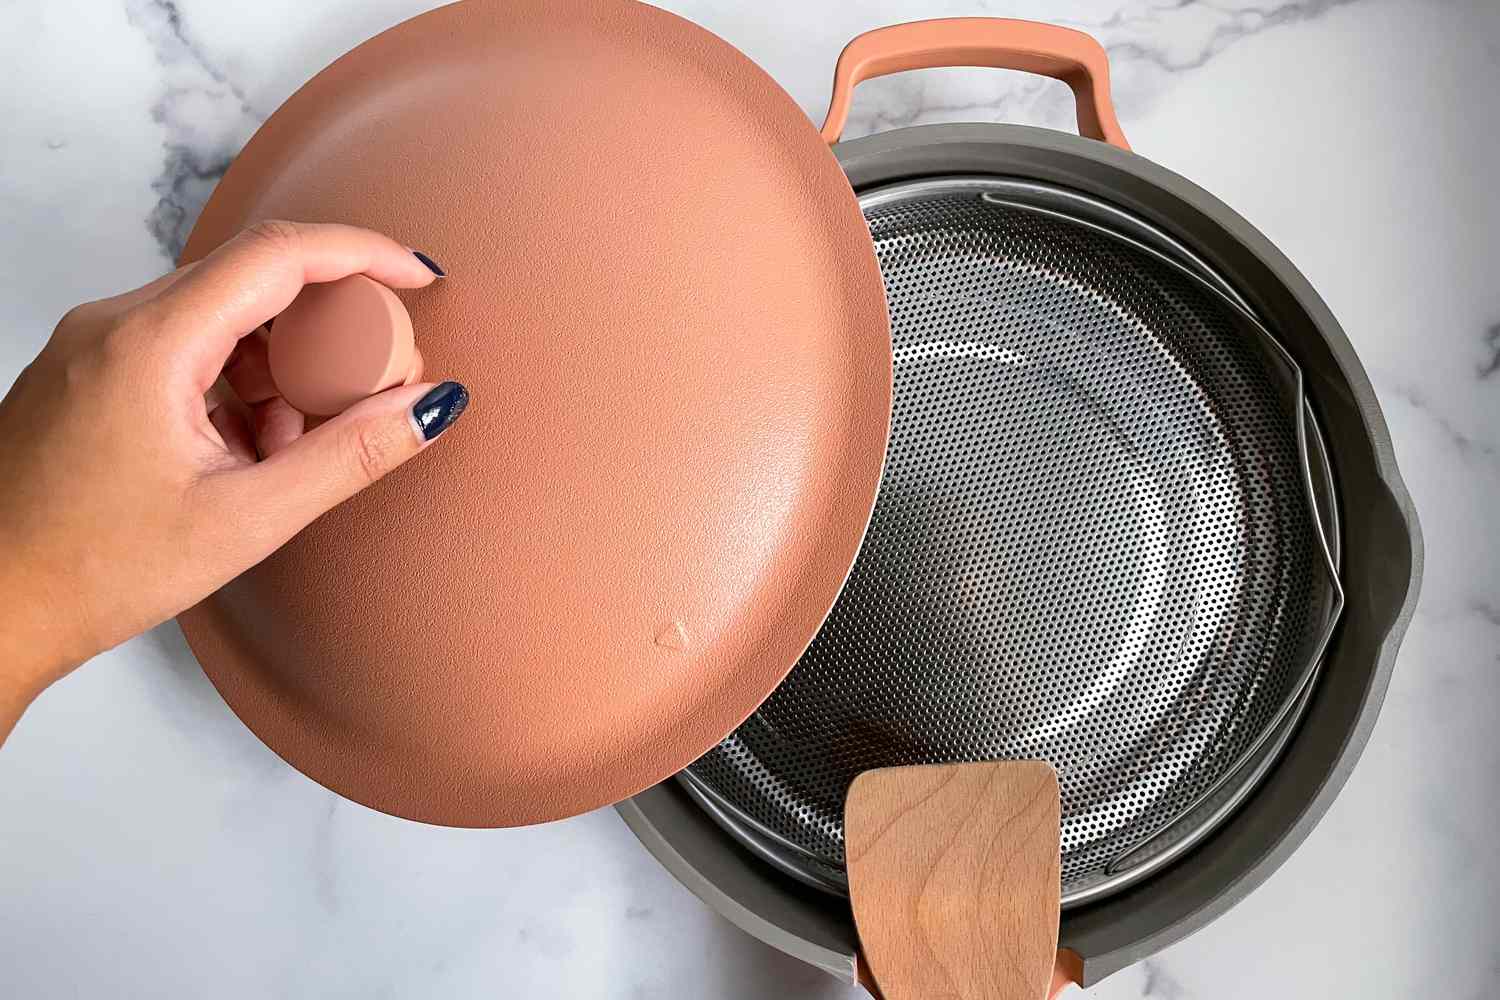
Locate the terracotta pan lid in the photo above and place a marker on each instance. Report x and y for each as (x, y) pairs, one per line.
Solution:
(664, 300)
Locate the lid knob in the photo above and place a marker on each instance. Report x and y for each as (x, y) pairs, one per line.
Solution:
(339, 342)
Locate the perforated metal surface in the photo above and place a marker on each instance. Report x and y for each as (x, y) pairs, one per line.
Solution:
(1093, 545)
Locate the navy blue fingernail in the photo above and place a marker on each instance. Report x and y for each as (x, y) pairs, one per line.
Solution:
(431, 264)
(436, 411)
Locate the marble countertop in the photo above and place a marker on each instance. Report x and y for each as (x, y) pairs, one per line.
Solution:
(151, 847)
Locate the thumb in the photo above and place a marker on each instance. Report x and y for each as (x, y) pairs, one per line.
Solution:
(334, 461)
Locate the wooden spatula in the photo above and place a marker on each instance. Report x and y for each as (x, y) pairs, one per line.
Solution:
(954, 876)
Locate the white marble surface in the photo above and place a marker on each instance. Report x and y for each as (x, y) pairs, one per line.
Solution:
(151, 847)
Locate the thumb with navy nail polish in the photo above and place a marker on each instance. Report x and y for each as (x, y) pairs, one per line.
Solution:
(436, 411)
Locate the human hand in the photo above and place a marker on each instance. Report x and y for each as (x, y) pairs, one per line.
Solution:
(146, 458)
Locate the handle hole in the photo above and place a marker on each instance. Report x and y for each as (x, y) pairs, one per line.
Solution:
(962, 94)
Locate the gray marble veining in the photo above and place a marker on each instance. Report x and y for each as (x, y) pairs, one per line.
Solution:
(193, 89)
(1491, 364)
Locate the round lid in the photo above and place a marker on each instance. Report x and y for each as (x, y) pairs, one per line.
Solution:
(666, 305)
(339, 342)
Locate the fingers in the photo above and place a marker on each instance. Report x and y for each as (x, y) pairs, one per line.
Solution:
(256, 275)
(249, 370)
(277, 424)
(229, 421)
(148, 291)
(329, 464)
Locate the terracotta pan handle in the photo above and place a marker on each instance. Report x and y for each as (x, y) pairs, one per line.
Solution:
(1000, 43)
(1067, 972)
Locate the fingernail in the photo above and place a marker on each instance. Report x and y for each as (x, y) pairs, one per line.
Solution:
(430, 264)
(436, 411)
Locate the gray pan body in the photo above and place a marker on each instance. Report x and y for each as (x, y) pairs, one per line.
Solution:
(1096, 542)
(1381, 556)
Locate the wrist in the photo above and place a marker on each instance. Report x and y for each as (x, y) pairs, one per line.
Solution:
(37, 643)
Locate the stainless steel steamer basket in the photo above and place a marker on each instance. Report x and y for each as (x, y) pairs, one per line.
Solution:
(1099, 542)
(1381, 564)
